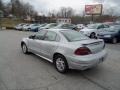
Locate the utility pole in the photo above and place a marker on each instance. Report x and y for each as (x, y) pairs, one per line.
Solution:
(12, 4)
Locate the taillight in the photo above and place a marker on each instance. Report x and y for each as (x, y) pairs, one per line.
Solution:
(82, 51)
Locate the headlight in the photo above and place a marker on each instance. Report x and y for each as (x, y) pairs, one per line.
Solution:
(107, 35)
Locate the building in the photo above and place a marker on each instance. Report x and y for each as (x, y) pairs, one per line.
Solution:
(63, 20)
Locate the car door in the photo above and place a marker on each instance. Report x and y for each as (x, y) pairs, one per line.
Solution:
(50, 44)
(100, 28)
(119, 35)
(34, 43)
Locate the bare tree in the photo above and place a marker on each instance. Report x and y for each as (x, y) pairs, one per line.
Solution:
(66, 12)
(20, 9)
(52, 13)
(110, 11)
(1, 5)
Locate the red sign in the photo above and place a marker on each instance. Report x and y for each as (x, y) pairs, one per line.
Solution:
(93, 9)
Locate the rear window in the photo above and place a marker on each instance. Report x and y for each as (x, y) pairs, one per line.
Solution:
(72, 36)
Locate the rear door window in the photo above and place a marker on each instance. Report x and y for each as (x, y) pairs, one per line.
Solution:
(50, 36)
(40, 35)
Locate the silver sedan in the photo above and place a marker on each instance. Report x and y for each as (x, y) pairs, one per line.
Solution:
(66, 49)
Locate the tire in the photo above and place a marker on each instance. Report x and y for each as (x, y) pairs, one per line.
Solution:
(92, 35)
(114, 40)
(24, 48)
(61, 64)
(29, 29)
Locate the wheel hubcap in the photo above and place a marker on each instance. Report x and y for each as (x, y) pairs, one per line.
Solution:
(92, 36)
(60, 64)
(24, 48)
(114, 40)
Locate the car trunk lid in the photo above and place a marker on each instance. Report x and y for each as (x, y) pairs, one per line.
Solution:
(95, 45)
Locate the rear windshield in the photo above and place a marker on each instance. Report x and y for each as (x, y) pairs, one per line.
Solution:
(73, 36)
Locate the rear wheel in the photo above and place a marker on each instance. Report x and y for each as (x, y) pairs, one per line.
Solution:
(29, 29)
(92, 35)
(61, 64)
(114, 40)
(24, 48)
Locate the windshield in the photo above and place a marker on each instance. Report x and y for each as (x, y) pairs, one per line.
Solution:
(72, 36)
(43, 25)
(35, 24)
(50, 25)
(114, 28)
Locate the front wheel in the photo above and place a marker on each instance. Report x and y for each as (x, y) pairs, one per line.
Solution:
(24, 49)
(92, 35)
(29, 29)
(61, 64)
(114, 40)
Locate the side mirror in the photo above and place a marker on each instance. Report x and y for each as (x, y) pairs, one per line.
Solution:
(32, 37)
(74, 28)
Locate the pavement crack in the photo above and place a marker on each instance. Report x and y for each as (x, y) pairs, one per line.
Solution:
(2, 82)
(92, 81)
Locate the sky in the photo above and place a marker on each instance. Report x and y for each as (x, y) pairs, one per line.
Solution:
(44, 6)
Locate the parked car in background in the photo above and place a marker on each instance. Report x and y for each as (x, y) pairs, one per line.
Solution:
(80, 26)
(92, 30)
(111, 34)
(42, 26)
(34, 27)
(48, 26)
(19, 26)
(111, 23)
(25, 27)
(66, 26)
(66, 49)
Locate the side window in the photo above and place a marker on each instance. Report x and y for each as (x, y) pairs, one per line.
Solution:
(50, 36)
(101, 26)
(40, 35)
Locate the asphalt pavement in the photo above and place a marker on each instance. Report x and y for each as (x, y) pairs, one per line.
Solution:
(29, 72)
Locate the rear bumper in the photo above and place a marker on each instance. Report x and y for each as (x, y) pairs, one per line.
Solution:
(85, 62)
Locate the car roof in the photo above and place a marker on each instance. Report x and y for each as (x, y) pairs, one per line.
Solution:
(57, 30)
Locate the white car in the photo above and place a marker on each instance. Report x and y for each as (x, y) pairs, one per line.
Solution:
(31, 27)
(26, 27)
(92, 30)
(66, 26)
(19, 26)
(65, 48)
(80, 26)
(48, 26)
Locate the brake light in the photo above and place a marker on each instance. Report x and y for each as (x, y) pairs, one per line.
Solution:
(82, 51)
